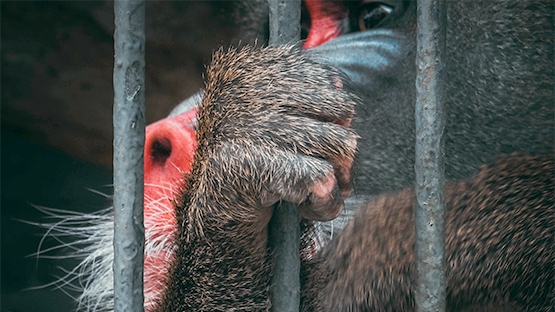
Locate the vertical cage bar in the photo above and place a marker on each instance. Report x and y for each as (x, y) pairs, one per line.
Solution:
(284, 229)
(430, 291)
(129, 136)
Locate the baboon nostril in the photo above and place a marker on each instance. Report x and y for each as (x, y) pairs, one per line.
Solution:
(161, 150)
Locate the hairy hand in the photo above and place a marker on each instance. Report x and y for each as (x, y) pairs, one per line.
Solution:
(273, 125)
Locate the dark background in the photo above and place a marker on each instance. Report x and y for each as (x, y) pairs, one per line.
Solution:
(56, 115)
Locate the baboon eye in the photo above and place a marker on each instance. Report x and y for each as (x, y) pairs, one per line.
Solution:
(371, 14)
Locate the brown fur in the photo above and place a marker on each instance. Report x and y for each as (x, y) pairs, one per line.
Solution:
(499, 246)
(270, 138)
(266, 131)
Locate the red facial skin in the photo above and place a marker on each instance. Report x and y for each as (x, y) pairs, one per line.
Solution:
(169, 148)
(325, 20)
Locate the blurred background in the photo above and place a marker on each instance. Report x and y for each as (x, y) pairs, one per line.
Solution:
(56, 116)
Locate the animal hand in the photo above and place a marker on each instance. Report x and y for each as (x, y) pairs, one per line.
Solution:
(273, 125)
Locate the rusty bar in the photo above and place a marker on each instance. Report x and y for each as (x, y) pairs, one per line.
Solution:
(430, 292)
(284, 228)
(129, 136)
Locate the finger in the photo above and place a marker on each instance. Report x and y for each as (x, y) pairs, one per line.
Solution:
(294, 134)
(280, 175)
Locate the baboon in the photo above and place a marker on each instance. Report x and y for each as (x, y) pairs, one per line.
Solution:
(339, 119)
(259, 143)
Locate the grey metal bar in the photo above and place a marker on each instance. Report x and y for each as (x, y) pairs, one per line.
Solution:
(285, 21)
(284, 230)
(430, 291)
(129, 136)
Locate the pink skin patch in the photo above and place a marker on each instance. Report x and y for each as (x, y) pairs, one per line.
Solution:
(169, 149)
(325, 19)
